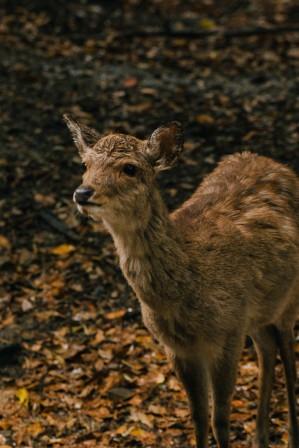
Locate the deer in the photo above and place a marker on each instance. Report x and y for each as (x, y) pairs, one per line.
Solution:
(224, 265)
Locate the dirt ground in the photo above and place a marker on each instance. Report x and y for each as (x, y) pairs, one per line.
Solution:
(77, 366)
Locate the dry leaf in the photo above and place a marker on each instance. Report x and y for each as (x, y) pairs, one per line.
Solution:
(99, 337)
(115, 314)
(137, 416)
(139, 433)
(63, 249)
(4, 242)
(130, 82)
(205, 119)
(207, 24)
(35, 429)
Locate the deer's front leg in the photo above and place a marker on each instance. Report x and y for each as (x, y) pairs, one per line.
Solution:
(223, 376)
(193, 375)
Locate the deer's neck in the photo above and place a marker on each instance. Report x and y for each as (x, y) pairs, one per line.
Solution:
(152, 255)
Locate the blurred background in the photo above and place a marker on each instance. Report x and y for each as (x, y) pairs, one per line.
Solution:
(77, 367)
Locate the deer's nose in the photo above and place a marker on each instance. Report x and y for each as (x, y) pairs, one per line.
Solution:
(82, 194)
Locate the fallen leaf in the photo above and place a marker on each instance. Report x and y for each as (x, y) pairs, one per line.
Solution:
(157, 410)
(99, 337)
(205, 119)
(120, 392)
(294, 52)
(249, 427)
(35, 429)
(63, 249)
(207, 24)
(158, 378)
(22, 395)
(182, 413)
(173, 384)
(139, 433)
(115, 314)
(4, 242)
(130, 82)
(123, 430)
(137, 416)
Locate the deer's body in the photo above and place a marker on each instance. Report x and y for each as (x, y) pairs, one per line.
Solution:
(224, 265)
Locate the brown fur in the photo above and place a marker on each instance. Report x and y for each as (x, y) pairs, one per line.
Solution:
(224, 265)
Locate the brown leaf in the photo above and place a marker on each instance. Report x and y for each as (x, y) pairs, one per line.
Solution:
(157, 410)
(205, 119)
(120, 392)
(35, 429)
(130, 82)
(99, 337)
(115, 314)
(4, 242)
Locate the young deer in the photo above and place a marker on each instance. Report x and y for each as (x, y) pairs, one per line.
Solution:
(224, 265)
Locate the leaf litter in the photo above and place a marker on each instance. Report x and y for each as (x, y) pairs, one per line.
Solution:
(77, 366)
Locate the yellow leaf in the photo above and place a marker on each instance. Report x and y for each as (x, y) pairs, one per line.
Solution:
(22, 395)
(63, 249)
(139, 433)
(207, 24)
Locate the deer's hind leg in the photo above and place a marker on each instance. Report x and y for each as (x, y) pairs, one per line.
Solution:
(266, 344)
(286, 342)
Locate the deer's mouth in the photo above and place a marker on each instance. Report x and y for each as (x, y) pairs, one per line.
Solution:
(88, 204)
(88, 207)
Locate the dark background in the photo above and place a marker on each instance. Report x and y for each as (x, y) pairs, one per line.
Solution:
(70, 329)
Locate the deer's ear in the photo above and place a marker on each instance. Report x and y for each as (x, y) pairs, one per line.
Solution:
(83, 136)
(165, 145)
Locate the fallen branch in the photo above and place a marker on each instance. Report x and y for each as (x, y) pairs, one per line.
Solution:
(195, 34)
(53, 220)
(170, 33)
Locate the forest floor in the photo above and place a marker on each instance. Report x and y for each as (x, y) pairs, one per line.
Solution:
(77, 366)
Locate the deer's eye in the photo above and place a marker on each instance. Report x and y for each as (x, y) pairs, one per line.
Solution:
(129, 169)
(84, 166)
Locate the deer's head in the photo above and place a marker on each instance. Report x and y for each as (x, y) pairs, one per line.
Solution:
(120, 170)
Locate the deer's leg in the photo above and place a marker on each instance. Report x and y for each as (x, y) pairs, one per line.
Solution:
(286, 342)
(265, 341)
(193, 375)
(224, 375)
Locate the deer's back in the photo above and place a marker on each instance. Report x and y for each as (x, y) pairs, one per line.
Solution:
(241, 228)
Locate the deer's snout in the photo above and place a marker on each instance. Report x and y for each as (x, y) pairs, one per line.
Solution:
(82, 194)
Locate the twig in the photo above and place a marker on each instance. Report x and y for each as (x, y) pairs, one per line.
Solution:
(170, 33)
(195, 34)
(53, 220)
